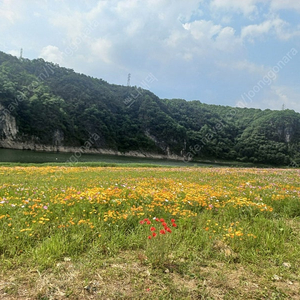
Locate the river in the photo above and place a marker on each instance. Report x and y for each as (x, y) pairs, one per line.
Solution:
(27, 156)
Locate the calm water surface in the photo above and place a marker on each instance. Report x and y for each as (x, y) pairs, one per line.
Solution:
(27, 156)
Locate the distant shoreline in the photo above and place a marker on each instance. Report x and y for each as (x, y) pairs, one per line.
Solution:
(78, 151)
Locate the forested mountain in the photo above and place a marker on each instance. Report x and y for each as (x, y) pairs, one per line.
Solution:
(44, 104)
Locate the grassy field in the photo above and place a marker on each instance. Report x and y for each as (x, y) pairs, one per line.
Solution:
(149, 233)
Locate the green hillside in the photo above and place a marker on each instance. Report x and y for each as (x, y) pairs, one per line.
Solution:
(45, 104)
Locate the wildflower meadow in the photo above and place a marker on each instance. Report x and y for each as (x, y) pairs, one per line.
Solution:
(90, 232)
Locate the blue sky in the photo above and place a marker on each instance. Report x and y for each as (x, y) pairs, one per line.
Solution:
(217, 51)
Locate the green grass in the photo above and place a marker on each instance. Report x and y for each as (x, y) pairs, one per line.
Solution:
(85, 164)
(75, 232)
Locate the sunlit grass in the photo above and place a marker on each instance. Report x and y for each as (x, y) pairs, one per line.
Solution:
(245, 216)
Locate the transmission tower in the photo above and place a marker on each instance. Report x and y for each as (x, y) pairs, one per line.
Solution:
(128, 79)
(21, 54)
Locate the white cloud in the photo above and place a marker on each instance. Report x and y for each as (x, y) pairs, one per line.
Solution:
(278, 96)
(227, 40)
(246, 7)
(69, 23)
(249, 67)
(250, 7)
(285, 5)
(256, 30)
(190, 46)
(175, 38)
(52, 54)
(14, 53)
(271, 97)
(102, 48)
(10, 11)
(276, 26)
(202, 30)
(211, 40)
(258, 9)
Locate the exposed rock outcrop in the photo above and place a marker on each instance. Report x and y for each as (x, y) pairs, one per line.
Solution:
(9, 139)
(8, 126)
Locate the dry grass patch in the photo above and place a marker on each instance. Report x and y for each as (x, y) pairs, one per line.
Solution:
(127, 277)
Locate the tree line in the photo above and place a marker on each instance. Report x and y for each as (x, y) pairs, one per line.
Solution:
(48, 100)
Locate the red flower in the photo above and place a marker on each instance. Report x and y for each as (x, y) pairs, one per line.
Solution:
(152, 229)
(174, 225)
(173, 220)
(148, 222)
(162, 220)
(157, 219)
(162, 232)
(154, 234)
(169, 230)
(149, 237)
(142, 222)
(164, 224)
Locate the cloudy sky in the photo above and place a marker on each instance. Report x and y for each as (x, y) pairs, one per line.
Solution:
(229, 52)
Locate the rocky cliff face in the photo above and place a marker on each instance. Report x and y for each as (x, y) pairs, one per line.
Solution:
(9, 138)
(8, 126)
(58, 138)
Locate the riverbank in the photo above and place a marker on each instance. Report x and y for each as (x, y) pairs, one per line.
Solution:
(75, 158)
(70, 159)
(10, 144)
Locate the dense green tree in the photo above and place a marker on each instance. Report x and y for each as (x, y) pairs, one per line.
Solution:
(47, 100)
